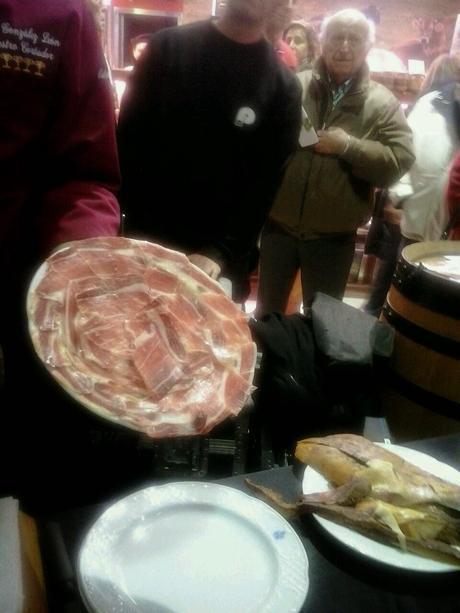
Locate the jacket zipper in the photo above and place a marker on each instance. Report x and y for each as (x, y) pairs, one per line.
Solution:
(329, 111)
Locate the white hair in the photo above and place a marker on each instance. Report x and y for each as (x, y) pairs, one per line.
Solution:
(348, 17)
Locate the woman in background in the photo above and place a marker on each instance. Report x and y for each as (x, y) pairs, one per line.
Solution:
(274, 34)
(435, 122)
(418, 200)
(303, 40)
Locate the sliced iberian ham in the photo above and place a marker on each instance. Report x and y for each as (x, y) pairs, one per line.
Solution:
(139, 335)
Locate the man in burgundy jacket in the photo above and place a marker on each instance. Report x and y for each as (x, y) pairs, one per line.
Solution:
(58, 176)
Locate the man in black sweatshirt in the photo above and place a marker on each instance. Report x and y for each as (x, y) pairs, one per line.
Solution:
(207, 124)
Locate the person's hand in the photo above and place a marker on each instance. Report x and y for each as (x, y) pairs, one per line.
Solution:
(207, 265)
(390, 214)
(332, 142)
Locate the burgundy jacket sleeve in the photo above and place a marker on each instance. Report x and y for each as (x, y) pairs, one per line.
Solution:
(453, 196)
(79, 200)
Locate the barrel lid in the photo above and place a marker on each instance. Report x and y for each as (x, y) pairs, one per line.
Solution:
(447, 266)
(441, 258)
(429, 273)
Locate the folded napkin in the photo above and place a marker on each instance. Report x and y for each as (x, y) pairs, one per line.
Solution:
(11, 586)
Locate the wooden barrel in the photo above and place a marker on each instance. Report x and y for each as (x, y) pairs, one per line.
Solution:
(422, 395)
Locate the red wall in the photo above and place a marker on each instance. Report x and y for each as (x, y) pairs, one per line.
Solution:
(396, 15)
(172, 6)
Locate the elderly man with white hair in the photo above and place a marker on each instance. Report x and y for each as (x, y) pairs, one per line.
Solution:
(363, 141)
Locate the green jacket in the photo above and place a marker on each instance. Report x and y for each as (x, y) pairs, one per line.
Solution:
(326, 194)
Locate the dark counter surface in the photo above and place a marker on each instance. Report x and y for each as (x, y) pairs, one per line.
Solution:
(341, 581)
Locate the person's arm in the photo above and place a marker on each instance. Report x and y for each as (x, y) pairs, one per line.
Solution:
(382, 160)
(453, 196)
(78, 195)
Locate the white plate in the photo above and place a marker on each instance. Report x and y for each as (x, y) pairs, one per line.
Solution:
(315, 482)
(192, 547)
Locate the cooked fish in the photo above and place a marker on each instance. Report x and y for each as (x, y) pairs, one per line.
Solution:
(379, 494)
(341, 457)
(416, 530)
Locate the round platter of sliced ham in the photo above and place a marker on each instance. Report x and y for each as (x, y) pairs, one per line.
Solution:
(140, 336)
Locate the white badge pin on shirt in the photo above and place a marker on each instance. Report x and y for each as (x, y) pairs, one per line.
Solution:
(245, 117)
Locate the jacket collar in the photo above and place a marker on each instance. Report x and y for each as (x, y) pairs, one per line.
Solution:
(359, 86)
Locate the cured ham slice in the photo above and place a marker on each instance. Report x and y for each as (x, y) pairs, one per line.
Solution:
(139, 335)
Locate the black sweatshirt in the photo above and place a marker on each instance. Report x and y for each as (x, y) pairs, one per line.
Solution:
(205, 129)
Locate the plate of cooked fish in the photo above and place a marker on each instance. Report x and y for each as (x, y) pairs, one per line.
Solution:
(393, 504)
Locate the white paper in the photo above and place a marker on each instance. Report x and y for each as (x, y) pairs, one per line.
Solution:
(307, 134)
(11, 591)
